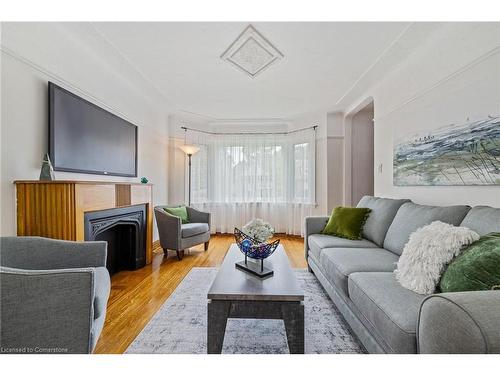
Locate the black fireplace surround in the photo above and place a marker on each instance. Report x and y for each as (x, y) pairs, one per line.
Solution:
(124, 229)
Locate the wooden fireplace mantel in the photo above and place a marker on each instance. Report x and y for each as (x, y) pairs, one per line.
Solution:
(56, 209)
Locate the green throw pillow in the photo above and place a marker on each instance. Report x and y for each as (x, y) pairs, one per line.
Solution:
(180, 212)
(476, 268)
(347, 222)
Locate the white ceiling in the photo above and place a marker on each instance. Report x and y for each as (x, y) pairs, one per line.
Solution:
(322, 63)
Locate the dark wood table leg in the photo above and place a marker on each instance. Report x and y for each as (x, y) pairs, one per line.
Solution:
(293, 317)
(218, 313)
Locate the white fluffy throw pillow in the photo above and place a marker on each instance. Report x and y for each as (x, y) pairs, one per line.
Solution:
(427, 252)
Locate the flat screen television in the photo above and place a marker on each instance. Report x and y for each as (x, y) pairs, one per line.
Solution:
(88, 139)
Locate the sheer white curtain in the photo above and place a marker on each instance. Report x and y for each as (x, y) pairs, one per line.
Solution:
(241, 177)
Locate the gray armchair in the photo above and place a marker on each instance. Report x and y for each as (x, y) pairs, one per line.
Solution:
(177, 236)
(53, 295)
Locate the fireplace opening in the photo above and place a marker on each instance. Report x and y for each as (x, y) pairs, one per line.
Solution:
(121, 241)
(124, 229)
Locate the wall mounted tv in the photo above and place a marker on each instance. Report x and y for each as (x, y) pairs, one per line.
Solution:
(88, 139)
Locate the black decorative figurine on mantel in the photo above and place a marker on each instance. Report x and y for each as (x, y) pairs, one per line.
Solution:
(47, 171)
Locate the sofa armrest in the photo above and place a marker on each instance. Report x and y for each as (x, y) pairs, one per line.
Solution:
(169, 229)
(196, 216)
(313, 225)
(464, 322)
(51, 310)
(39, 253)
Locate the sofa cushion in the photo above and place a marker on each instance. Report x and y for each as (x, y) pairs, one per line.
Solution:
(102, 287)
(411, 216)
(347, 222)
(476, 268)
(180, 212)
(483, 220)
(427, 253)
(381, 216)
(318, 242)
(193, 229)
(391, 309)
(338, 264)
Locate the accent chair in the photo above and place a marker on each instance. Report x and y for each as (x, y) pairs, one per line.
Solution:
(54, 295)
(177, 236)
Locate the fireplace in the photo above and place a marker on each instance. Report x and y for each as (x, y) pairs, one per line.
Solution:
(124, 229)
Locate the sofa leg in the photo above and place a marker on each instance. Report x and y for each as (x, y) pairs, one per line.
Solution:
(180, 254)
(206, 245)
(165, 252)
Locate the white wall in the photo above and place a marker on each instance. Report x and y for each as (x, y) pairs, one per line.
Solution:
(362, 154)
(335, 160)
(456, 74)
(27, 64)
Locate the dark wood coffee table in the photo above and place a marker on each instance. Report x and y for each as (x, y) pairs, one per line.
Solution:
(237, 294)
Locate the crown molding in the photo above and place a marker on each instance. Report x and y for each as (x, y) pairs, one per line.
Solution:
(374, 64)
(441, 82)
(68, 84)
(120, 53)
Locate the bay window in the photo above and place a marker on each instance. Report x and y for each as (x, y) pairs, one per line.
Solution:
(271, 176)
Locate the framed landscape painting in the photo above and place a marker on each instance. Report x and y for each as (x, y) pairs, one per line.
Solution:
(465, 153)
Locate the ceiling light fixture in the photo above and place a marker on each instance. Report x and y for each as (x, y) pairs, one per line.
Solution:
(251, 52)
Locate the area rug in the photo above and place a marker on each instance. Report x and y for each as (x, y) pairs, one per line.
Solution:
(180, 326)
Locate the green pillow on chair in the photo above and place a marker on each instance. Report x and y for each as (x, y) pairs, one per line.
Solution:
(476, 268)
(180, 212)
(347, 222)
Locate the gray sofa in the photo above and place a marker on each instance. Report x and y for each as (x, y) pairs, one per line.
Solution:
(387, 318)
(53, 295)
(177, 236)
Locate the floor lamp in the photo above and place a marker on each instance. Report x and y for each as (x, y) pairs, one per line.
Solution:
(189, 150)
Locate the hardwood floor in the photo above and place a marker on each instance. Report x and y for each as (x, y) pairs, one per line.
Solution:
(137, 295)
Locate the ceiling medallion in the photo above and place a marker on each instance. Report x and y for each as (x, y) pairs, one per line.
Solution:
(251, 52)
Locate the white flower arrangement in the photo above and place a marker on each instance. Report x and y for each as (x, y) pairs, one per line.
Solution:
(259, 230)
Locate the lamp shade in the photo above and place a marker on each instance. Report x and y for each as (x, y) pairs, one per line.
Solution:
(189, 149)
